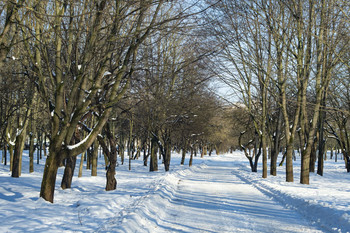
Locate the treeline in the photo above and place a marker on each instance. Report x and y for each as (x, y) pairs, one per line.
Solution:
(133, 77)
(289, 60)
(130, 77)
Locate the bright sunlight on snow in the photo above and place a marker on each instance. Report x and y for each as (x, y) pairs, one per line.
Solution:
(216, 194)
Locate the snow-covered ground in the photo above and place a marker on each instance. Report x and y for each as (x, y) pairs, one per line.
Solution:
(217, 194)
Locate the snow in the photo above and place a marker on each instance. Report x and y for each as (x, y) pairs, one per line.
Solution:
(71, 147)
(216, 194)
(107, 73)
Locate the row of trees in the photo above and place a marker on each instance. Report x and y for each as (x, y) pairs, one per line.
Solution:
(133, 76)
(120, 75)
(289, 61)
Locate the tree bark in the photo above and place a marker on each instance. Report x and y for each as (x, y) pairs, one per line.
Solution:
(31, 153)
(167, 156)
(94, 159)
(17, 156)
(183, 156)
(11, 149)
(68, 172)
(50, 173)
(80, 174)
(154, 160)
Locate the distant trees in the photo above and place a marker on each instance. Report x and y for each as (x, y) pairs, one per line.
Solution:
(90, 71)
(284, 55)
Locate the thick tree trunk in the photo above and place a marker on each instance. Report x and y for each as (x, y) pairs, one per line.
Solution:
(17, 157)
(111, 183)
(50, 173)
(68, 172)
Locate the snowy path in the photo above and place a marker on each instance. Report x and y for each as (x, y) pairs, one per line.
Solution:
(217, 194)
(211, 198)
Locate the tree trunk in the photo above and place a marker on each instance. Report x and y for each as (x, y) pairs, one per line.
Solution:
(17, 157)
(111, 183)
(145, 154)
(167, 156)
(121, 153)
(313, 158)
(80, 174)
(94, 159)
(289, 163)
(264, 152)
(154, 160)
(5, 154)
(276, 145)
(183, 156)
(31, 153)
(50, 173)
(11, 149)
(191, 158)
(68, 172)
